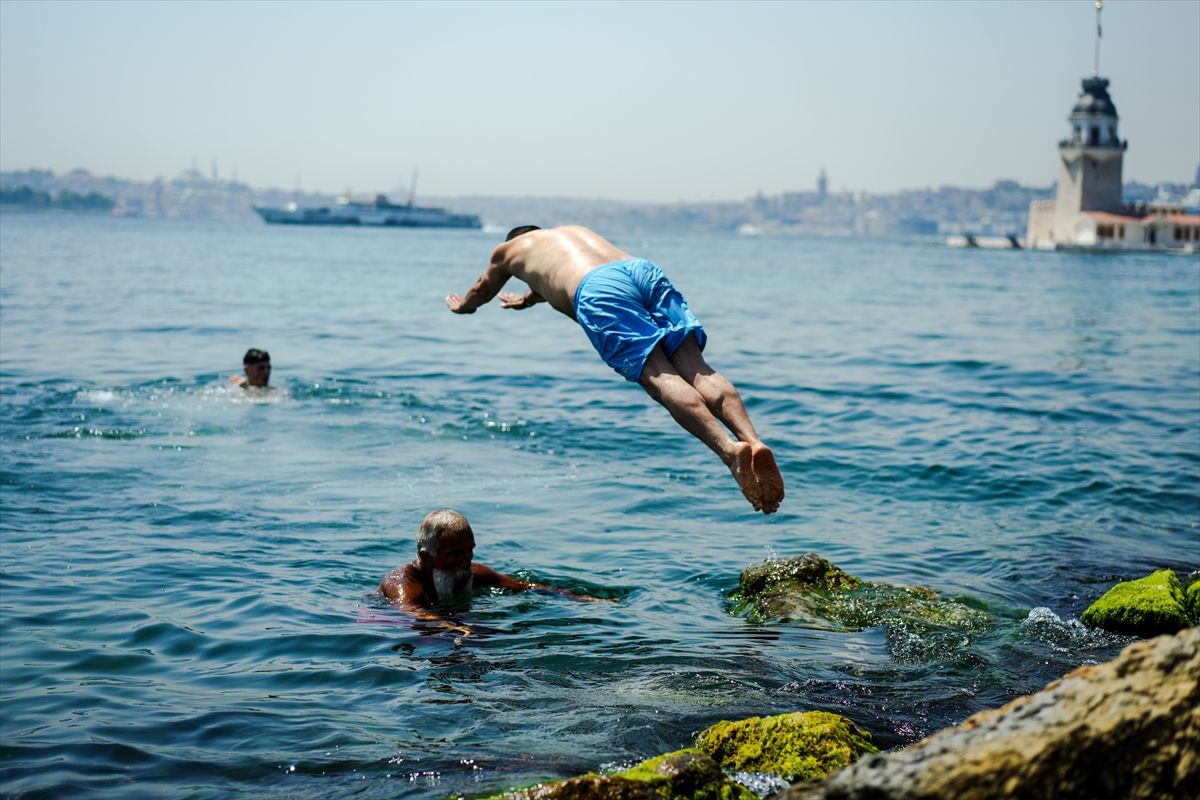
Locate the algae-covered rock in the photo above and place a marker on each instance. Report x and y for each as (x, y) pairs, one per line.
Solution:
(1191, 599)
(687, 773)
(794, 746)
(811, 591)
(680, 775)
(1127, 729)
(1145, 607)
(808, 571)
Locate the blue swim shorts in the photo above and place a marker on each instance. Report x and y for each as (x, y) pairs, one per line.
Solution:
(627, 307)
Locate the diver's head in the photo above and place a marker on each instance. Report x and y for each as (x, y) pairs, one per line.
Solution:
(519, 230)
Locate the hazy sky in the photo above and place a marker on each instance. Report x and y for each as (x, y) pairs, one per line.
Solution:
(622, 100)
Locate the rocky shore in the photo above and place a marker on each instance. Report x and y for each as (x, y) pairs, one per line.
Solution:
(1129, 728)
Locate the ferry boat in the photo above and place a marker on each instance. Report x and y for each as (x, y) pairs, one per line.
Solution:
(377, 212)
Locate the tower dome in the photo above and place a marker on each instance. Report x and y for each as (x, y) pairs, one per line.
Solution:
(1095, 100)
(1094, 117)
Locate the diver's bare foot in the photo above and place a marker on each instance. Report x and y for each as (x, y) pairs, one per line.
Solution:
(768, 478)
(742, 467)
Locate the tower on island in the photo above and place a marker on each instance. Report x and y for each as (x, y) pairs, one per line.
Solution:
(1089, 171)
(1087, 211)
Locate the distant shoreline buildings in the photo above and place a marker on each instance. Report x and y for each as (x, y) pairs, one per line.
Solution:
(1088, 208)
(1000, 210)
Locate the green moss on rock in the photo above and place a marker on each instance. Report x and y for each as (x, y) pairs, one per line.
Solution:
(1192, 601)
(681, 775)
(808, 571)
(687, 773)
(810, 591)
(1146, 607)
(796, 746)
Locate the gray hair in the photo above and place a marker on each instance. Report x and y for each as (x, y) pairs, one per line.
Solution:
(436, 523)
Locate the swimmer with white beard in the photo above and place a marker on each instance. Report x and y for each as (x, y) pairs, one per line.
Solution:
(444, 573)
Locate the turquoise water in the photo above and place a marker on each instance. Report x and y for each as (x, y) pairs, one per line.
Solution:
(186, 573)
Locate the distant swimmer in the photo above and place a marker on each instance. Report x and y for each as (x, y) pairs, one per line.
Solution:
(443, 572)
(257, 366)
(641, 326)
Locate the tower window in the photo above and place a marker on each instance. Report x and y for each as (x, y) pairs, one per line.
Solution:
(1093, 135)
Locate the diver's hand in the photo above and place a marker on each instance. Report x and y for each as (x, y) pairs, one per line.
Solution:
(518, 301)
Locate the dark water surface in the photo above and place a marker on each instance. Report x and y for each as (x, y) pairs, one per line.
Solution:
(186, 573)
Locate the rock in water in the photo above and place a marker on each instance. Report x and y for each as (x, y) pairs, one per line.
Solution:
(809, 590)
(1127, 729)
(682, 775)
(793, 746)
(808, 571)
(1147, 607)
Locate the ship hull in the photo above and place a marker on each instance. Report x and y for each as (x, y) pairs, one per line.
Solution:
(398, 217)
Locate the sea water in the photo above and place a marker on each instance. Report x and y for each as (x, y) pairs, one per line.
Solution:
(187, 570)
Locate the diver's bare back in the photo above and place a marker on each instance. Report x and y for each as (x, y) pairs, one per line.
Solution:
(553, 261)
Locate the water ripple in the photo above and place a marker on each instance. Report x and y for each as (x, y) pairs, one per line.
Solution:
(186, 569)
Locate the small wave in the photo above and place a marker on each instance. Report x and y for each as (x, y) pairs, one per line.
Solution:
(98, 397)
(761, 783)
(80, 432)
(1043, 626)
(967, 364)
(167, 395)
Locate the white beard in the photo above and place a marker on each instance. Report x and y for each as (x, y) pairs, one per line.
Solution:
(449, 585)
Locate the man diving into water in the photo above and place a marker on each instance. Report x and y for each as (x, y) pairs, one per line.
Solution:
(641, 326)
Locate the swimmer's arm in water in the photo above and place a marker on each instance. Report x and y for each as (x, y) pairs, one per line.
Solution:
(485, 577)
(238, 380)
(519, 301)
(406, 594)
(485, 288)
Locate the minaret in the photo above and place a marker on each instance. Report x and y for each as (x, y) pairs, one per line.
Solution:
(822, 186)
(1089, 173)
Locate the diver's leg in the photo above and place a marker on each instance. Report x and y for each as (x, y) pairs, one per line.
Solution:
(719, 394)
(722, 399)
(663, 382)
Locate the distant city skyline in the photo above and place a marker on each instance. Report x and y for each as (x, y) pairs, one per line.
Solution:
(642, 102)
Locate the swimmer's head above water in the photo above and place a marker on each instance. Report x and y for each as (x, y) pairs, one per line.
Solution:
(445, 545)
(257, 366)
